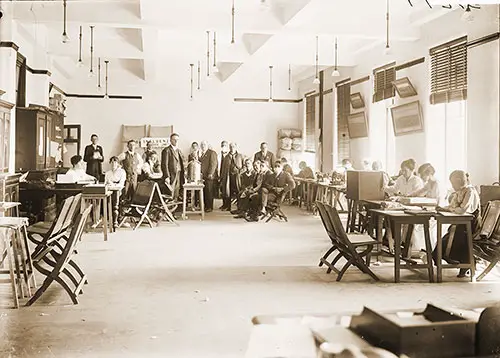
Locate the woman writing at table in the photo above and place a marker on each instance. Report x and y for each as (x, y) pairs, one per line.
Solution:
(464, 200)
(407, 183)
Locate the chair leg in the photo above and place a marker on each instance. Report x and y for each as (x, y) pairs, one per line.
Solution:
(71, 294)
(487, 270)
(40, 291)
(325, 256)
(344, 269)
(332, 264)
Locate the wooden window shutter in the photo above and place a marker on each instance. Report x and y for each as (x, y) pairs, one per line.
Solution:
(449, 71)
(343, 112)
(310, 124)
(383, 88)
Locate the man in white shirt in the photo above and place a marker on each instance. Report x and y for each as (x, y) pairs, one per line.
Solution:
(77, 173)
(132, 164)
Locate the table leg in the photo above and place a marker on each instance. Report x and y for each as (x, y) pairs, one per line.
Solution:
(29, 259)
(202, 204)
(109, 200)
(428, 248)
(12, 269)
(116, 208)
(104, 219)
(439, 248)
(184, 199)
(397, 252)
(471, 252)
(379, 237)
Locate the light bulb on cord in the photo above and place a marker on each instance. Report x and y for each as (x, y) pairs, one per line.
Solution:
(99, 89)
(106, 96)
(79, 64)
(289, 90)
(65, 38)
(335, 73)
(91, 74)
(467, 15)
(270, 100)
(316, 81)
(387, 50)
(215, 69)
(264, 4)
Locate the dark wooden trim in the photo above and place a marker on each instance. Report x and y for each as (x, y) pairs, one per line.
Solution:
(320, 115)
(264, 100)
(384, 67)
(38, 72)
(52, 85)
(101, 96)
(328, 91)
(9, 44)
(6, 104)
(448, 44)
(483, 40)
(360, 80)
(410, 63)
(343, 82)
(310, 93)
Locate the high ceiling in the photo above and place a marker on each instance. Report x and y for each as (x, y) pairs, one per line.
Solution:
(152, 40)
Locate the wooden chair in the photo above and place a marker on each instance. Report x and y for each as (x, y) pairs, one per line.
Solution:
(273, 209)
(487, 247)
(351, 244)
(62, 263)
(336, 244)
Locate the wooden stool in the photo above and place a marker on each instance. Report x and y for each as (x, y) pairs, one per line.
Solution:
(15, 239)
(193, 188)
(95, 200)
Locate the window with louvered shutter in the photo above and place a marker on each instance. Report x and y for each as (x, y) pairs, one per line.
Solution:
(383, 88)
(343, 111)
(310, 124)
(449, 72)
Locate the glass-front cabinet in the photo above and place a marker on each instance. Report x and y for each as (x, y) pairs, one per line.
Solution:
(5, 135)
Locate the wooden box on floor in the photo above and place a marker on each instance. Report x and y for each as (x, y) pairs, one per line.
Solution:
(365, 185)
(431, 333)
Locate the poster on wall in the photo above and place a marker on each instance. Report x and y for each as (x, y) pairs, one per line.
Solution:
(407, 118)
(357, 125)
(155, 142)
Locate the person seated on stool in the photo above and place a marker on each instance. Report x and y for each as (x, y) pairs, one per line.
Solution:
(151, 169)
(281, 183)
(464, 200)
(77, 173)
(247, 180)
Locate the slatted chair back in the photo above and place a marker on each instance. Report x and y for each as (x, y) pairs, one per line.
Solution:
(339, 229)
(490, 219)
(58, 225)
(325, 219)
(144, 193)
(73, 239)
(73, 212)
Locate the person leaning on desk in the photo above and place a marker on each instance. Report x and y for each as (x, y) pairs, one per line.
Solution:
(77, 174)
(407, 183)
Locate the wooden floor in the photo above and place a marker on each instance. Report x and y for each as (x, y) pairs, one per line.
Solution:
(191, 291)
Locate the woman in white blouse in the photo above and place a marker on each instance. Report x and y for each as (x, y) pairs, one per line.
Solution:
(464, 200)
(116, 176)
(407, 183)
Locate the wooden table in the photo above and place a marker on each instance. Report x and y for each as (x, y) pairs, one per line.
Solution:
(5, 206)
(96, 200)
(115, 202)
(193, 188)
(397, 219)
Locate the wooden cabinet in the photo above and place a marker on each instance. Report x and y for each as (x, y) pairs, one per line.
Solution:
(39, 138)
(5, 109)
(9, 187)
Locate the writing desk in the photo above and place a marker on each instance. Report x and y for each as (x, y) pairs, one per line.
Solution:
(96, 200)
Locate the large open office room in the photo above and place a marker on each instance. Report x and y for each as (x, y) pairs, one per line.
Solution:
(249, 178)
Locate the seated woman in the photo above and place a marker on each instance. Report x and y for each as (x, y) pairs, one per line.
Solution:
(407, 182)
(151, 169)
(116, 175)
(77, 173)
(464, 200)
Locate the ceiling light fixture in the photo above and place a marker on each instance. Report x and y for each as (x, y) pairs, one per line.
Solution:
(99, 88)
(467, 15)
(387, 20)
(316, 79)
(91, 73)
(232, 23)
(208, 54)
(80, 62)
(106, 95)
(215, 53)
(199, 75)
(336, 72)
(289, 77)
(192, 68)
(270, 83)
(264, 4)
(65, 38)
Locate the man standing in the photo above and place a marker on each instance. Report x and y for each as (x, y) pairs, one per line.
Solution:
(265, 155)
(94, 157)
(172, 166)
(132, 164)
(230, 176)
(224, 149)
(148, 152)
(209, 174)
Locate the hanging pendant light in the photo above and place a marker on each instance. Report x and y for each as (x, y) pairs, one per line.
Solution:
(91, 72)
(232, 23)
(199, 75)
(336, 72)
(215, 53)
(270, 83)
(192, 81)
(316, 79)
(106, 95)
(64, 38)
(99, 88)
(80, 62)
(289, 77)
(467, 15)
(208, 55)
(387, 20)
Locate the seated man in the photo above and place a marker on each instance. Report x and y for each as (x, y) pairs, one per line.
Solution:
(277, 186)
(251, 199)
(77, 173)
(247, 181)
(151, 168)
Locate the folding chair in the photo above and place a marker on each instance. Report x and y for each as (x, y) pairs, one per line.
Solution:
(62, 262)
(336, 244)
(351, 244)
(273, 208)
(487, 247)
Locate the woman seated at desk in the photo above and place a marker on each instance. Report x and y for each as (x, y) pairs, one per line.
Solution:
(407, 183)
(116, 175)
(77, 173)
(464, 200)
(151, 168)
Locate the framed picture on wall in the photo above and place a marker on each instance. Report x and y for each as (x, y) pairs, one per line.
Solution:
(404, 87)
(407, 118)
(357, 125)
(357, 101)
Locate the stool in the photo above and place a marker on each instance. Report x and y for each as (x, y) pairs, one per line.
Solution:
(193, 188)
(15, 240)
(96, 200)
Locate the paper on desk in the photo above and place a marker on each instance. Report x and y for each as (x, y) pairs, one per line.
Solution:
(276, 340)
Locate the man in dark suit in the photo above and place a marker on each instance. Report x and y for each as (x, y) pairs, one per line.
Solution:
(277, 185)
(209, 174)
(265, 155)
(93, 156)
(172, 166)
(232, 166)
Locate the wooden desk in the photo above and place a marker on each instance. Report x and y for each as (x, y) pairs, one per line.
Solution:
(397, 219)
(96, 200)
(193, 188)
(446, 218)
